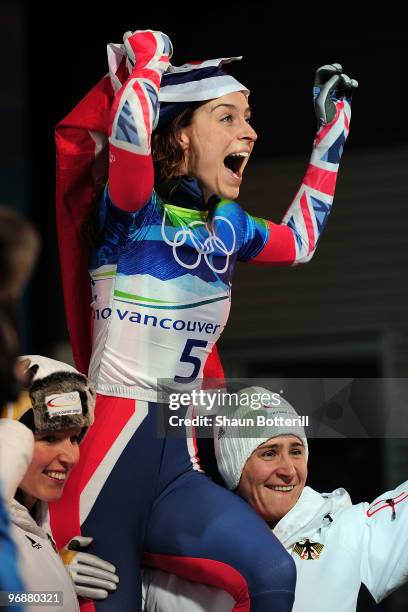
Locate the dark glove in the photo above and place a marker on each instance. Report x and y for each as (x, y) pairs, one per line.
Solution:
(331, 85)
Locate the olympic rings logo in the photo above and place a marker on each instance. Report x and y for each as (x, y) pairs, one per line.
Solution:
(204, 247)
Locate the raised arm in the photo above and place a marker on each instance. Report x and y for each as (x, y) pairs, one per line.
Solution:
(133, 117)
(384, 563)
(16, 451)
(295, 240)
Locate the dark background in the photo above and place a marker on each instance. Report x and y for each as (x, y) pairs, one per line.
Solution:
(51, 56)
(64, 60)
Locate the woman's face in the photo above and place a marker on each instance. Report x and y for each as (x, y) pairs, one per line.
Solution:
(55, 454)
(274, 477)
(218, 143)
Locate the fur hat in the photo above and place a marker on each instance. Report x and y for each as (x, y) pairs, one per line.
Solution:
(58, 397)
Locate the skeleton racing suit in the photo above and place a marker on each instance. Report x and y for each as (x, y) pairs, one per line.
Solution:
(161, 280)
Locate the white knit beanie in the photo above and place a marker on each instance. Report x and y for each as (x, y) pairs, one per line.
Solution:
(258, 415)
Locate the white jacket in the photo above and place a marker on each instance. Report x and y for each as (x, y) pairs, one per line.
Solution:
(40, 565)
(346, 545)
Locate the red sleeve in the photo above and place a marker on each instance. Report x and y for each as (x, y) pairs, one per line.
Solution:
(279, 249)
(133, 115)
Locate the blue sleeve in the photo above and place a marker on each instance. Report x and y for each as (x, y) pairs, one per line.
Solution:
(255, 238)
(117, 228)
(10, 579)
(250, 233)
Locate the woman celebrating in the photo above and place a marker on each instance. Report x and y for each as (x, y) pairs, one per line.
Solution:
(170, 233)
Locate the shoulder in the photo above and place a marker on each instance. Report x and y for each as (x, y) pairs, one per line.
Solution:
(228, 208)
(334, 509)
(342, 508)
(229, 214)
(19, 514)
(345, 522)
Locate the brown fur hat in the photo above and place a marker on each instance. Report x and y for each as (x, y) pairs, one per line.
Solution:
(59, 397)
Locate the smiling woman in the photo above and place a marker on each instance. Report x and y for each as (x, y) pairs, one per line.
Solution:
(274, 476)
(55, 454)
(57, 407)
(336, 545)
(178, 139)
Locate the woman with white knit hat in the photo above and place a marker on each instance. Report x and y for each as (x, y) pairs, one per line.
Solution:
(336, 546)
(265, 464)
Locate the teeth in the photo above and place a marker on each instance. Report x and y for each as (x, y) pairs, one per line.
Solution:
(280, 488)
(242, 154)
(57, 475)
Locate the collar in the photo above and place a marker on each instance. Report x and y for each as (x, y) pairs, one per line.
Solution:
(20, 516)
(308, 514)
(184, 191)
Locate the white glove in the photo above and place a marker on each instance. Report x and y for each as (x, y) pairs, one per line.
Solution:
(93, 577)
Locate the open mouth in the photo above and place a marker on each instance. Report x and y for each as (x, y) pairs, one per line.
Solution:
(235, 162)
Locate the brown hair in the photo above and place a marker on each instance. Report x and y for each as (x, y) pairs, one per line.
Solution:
(168, 154)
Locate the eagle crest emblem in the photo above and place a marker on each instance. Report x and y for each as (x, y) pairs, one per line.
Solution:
(308, 550)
